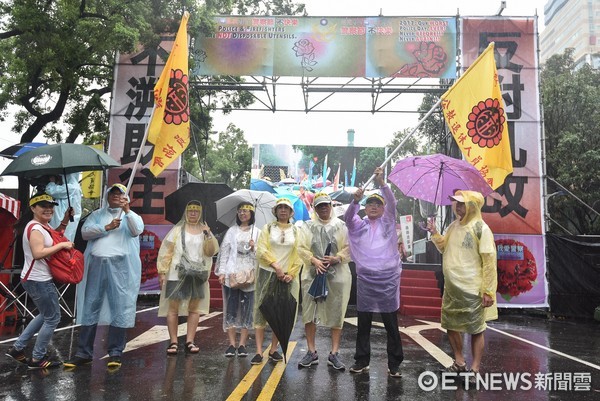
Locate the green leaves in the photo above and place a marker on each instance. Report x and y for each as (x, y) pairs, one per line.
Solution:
(572, 128)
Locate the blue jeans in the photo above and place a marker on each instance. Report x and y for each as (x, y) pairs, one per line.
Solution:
(45, 298)
(117, 339)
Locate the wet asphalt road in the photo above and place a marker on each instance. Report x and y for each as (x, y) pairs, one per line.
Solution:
(521, 344)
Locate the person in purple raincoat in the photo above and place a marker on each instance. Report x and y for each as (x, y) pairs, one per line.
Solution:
(374, 248)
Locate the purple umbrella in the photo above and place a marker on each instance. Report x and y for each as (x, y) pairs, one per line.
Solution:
(433, 178)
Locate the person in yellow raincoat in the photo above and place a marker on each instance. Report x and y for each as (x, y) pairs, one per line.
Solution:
(470, 277)
(277, 255)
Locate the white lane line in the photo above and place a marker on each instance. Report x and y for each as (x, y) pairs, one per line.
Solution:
(573, 358)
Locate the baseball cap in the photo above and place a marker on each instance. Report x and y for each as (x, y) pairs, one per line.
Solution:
(120, 187)
(458, 198)
(375, 198)
(320, 198)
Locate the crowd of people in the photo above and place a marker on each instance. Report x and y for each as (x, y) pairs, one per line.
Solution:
(251, 265)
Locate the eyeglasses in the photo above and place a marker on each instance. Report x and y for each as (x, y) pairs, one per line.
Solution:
(243, 211)
(375, 204)
(282, 237)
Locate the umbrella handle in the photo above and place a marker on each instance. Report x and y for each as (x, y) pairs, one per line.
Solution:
(71, 218)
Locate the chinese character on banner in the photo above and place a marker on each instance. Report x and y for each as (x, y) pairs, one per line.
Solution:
(91, 181)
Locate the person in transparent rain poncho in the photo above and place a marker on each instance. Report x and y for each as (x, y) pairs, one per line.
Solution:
(107, 295)
(470, 277)
(58, 190)
(277, 260)
(185, 294)
(238, 253)
(324, 231)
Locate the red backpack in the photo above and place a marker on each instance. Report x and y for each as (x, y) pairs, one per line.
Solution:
(66, 265)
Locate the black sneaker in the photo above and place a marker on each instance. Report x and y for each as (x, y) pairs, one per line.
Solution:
(77, 361)
(241, 351)
(275, 357)
(257, 359)
(359, 367)
(17, 355)
(394, 372)
(114, 362)
(230, 351)
(43, 364)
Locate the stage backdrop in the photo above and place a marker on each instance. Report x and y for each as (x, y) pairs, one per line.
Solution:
(515, 217)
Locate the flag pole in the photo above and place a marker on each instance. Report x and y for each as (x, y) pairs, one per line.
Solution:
(139, 156)
(405, 139)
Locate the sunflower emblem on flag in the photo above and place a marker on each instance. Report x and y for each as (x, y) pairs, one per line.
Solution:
(177, 108)
(486, 123)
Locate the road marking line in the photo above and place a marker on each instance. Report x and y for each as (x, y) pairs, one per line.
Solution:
(547, 349)
(269, 388)
(573, 358)
(414, 333)
(242, 388)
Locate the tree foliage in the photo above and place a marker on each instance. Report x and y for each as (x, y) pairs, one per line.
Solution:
(572, 129)
(57, 57)
(230, 158)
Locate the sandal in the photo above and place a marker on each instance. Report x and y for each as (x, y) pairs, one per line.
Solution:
(172, 349)
(191, 348)
(456, 368)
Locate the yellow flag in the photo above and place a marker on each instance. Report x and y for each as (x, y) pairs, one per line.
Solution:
(91, 180)
(474, 111)
(169, 128)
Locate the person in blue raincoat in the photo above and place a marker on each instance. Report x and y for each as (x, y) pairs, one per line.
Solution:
(58, 190)
(108, 292)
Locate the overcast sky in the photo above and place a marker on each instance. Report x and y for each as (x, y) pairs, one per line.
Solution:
(330, 128)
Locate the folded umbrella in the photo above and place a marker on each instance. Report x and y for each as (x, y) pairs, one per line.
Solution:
(279, 308)
(318, 288)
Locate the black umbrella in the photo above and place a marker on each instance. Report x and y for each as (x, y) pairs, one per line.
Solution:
(279, 309)
(205, 192)
(342, 196)
(59, 159)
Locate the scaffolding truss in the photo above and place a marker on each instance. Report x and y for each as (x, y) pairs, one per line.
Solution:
(320, 94)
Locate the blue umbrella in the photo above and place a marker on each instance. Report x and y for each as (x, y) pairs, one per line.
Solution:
(318, 288)
(300, 211)
(261, 185)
